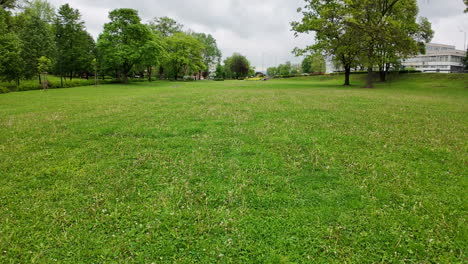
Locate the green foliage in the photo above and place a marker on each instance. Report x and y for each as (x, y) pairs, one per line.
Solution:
(211, 53)
(8, 4)
(285, 69)
(75, 47)
(184, 55)
(36, 35)
(220, 73)
(272, 71)
(237, 66)
(43, 64)
(4, 90)
(11, 63)
(374, 33)
(165, 26)
(284, 171)
(124, 42)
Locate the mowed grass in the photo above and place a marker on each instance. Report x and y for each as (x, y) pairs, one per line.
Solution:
(285, 171)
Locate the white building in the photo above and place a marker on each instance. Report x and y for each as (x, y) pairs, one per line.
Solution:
(438, 58)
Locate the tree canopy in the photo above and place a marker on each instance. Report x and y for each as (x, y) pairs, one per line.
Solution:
(124, 42)
(372, 33)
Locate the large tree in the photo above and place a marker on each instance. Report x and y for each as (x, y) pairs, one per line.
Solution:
(75, 47)
(184, 54)
(211, 53)
(122, 44)
(390, 32)
(333, 35)
(36, 35)
(237, 66)
(11, 63)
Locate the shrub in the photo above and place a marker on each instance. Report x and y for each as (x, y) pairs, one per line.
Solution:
(219, 80)
(4, 90)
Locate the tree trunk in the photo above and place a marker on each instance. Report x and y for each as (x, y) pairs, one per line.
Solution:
(161, 72)
(382, 74)
(40, 80)
(369, 81)
(149, 74)
(347, 74)
(71, 76)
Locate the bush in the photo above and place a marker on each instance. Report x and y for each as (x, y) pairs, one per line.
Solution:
(4, 90)
(219, 80)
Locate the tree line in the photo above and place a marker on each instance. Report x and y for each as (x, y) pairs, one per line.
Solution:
(371, 34)
(36, 38)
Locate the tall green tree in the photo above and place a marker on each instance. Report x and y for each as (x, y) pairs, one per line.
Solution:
(220, 74)
(237, 66)
(37, 36)
(306, 64)
(75, 47)
(272, 71)
(153, 54)
(211, 53)
(184, 54)
(122, 44)
(328, 19)
(11, 63)
(285, 69)
(390, 32)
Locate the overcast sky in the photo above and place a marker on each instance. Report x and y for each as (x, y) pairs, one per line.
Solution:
(258, 29)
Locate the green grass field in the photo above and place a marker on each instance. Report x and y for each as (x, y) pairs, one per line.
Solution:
(284, 171)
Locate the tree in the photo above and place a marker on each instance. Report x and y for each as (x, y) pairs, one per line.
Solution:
(466, 3)
(43, 67)
(184, 54)
(333, 35)
(285, 69)
(123, 42)
(165, 26)
(317, 63)
(306, 64)
(211, 53)
(220, 74)
(238, 66)
(11, 64)
(153, 53)
(36, 35)
(390, 32)
(272, 71)
(75, 47)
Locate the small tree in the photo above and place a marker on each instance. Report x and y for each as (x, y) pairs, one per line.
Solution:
(43, 66)
(220, 71)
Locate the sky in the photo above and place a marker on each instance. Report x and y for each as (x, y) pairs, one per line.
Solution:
(258, 29)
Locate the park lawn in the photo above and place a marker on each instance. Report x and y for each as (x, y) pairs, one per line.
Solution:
(284, 171)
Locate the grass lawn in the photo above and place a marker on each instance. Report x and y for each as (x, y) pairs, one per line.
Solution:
(284, 171)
